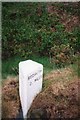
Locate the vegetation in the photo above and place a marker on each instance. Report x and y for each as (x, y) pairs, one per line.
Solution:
(60, 91)
(47, 31)
(10, 67)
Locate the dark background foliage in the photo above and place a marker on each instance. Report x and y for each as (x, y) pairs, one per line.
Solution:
(45, 29)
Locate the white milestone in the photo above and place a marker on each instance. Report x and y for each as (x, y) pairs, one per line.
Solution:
(30, 83)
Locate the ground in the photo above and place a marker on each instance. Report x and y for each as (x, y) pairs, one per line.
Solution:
(58, 99)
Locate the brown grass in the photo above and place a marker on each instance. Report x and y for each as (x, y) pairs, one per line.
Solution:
(10, 98)
(58, 99)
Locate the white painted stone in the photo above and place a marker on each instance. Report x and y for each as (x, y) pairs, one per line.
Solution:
(30, 83)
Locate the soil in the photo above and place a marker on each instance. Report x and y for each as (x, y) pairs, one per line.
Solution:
(60, 99)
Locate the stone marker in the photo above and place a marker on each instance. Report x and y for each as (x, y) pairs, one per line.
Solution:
(30, 83)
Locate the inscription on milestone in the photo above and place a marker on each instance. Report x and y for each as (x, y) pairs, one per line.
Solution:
(34, 74)
(35, 77)
(38, 78)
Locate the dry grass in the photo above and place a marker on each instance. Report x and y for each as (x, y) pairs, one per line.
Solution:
(59, 98)
(64, 76)
(57, 101)
(10, 98)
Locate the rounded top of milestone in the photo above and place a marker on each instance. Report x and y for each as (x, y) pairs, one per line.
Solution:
(29, 66)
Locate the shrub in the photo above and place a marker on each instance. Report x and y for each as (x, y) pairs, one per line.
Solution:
(29, 29)
(62, 55)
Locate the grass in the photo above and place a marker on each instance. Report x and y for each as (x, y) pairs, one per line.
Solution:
(9, 64)
(53, 84)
